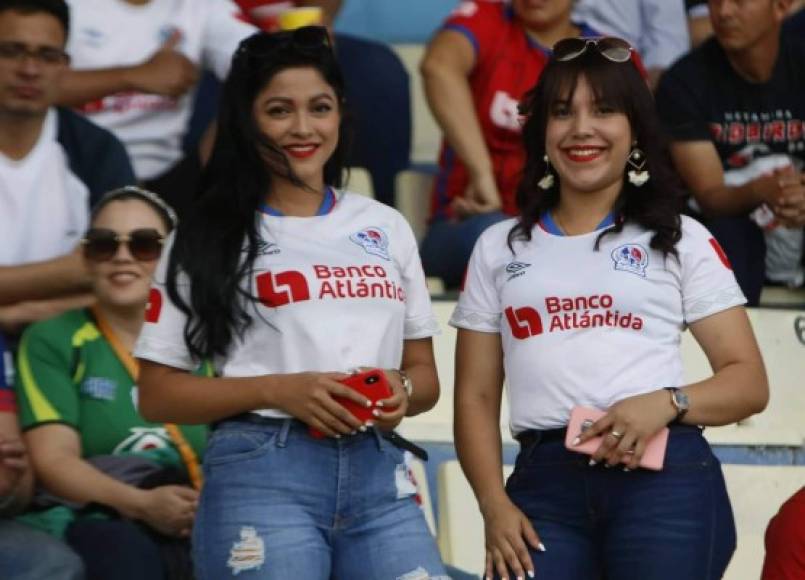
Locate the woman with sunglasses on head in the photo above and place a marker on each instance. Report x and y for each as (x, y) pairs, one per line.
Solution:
(287, 282)
(119, 484)
(580, 302)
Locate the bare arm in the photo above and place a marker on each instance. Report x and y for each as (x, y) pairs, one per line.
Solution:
(15, 317)
(700, 167)
(445, 68)
(167, 72)
(56, 455)
(737, 389)
(173, 395)
(478, 390)
(58, 277)
(16, 475)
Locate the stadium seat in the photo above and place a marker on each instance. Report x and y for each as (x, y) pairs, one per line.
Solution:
(756, 492)
(780, 297)
(427, 136)
(360, 181)
(412, 199)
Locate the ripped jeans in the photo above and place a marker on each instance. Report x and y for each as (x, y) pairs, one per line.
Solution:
(279, 504)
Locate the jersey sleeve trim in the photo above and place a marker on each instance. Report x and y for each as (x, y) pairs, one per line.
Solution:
(42, 409)
(32, 426)
(469, 34)
(713, 303)
(421, 328)
(165, 353)
(473, 320)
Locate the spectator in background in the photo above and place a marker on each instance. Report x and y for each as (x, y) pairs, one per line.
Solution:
(266, 13)
(734, 109)
(476, 70)
(785, 541)
(53, 165)
(25, 553)
(107, 469)
(656, 28)
(134, 68)
(699, 25)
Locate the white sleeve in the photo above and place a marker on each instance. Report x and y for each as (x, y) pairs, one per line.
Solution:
(162, 337)
(223, 31)
(708, 283)
(664, 36)
(420, 321)
(478, 305)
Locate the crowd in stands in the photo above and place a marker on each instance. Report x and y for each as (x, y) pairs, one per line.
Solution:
(104, 101)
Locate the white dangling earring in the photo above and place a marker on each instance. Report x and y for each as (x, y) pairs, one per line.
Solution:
(638, 176)
(547, 180)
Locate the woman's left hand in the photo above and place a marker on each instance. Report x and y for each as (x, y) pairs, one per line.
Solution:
(627, 427)
(392, 410)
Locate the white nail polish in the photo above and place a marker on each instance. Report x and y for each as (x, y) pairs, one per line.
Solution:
(576, 441)
(592, 463)
(541, 547)
(362, 428)
(375, 412)
(530, 573)
(520, 578)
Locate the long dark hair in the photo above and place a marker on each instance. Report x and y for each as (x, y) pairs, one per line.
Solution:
(217, 243)
(656, 205)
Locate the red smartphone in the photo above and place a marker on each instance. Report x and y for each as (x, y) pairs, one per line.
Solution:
(373, 385)
(582, 418)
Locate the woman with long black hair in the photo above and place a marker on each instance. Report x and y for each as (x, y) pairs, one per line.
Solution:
(580, 302)
(287, 282)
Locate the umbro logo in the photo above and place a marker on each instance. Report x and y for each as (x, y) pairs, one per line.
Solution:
(516, 269)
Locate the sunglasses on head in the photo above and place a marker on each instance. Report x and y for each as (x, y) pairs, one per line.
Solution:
(304, 38)
(101, 244)
(611, 48)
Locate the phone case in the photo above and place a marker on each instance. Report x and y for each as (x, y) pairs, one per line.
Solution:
(581, 418)
(373, 385)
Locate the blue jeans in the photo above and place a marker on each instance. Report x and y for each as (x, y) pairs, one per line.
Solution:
(448, 245)
(599, 522)
(30, 554)
(279, 504)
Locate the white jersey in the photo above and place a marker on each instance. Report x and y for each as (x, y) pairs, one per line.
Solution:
(114, 33)
(337, 291)
(586, 327)
(44, 206)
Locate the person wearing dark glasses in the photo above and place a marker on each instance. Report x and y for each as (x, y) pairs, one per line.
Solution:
(78, 398)
(287, 281)
(475, 71)
(580, 301)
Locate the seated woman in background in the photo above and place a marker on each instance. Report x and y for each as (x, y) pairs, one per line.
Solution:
(475, 71)
(581, 302)
(78, 405)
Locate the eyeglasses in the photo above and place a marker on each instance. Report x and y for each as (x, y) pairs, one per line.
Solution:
(611, 48)
(101, 244)
(18, 52)
(304, 37)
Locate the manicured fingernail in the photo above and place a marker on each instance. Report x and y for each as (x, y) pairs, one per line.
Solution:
(375, 412)
(379, 404)
(370, 424)
(530, 573)
(368, 403)
(592, 463)
(338, 436)
(541, 547)
(362, 428)
(576, 441)
(626, 469)
(520, 578)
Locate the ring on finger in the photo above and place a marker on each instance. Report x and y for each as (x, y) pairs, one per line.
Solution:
(617, 435)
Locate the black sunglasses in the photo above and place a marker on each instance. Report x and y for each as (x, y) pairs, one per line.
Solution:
(304, 38)
(611, 48)
(101, 244)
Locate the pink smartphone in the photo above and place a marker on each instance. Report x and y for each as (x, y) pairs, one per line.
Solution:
(582, 418)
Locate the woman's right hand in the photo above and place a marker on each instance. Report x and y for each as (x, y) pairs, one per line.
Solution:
(509, 533)
(169, 509)
(310, 397)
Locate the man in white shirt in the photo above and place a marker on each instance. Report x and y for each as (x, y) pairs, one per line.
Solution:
(53, 164)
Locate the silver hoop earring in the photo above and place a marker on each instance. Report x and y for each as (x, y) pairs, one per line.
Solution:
(547, 180)
(638, 175)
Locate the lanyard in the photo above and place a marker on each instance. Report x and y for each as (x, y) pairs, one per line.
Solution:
(130, 363)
